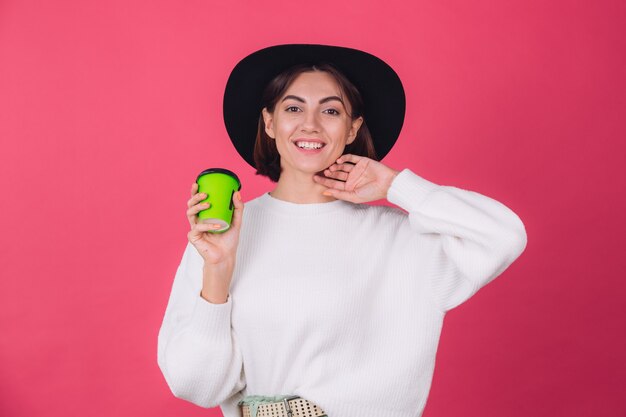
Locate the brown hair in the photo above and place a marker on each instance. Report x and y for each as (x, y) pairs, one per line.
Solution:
(266, 156)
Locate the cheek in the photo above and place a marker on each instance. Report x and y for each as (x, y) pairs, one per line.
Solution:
(285, 127)
(340, 134)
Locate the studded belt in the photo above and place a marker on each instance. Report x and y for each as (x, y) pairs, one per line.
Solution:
(294, 406)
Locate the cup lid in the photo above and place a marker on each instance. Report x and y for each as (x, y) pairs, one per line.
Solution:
(220, 171)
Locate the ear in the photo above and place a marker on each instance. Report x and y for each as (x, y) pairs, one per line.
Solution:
(354, 129)
(268, 119)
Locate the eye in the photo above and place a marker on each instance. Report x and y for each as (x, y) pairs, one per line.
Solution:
(289, 109)
(333, 112)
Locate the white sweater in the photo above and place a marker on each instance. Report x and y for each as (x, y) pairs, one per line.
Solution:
(339, 303)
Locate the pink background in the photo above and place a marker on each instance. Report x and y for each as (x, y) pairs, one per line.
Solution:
(109, 109)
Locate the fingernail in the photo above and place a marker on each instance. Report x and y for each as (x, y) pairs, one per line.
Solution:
(238, 196)
(327, 193)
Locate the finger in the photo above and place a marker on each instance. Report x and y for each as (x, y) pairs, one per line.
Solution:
(342, 195)
(192, 211)
(349, 158)
(238, 212)
(206, 227)
(194, 188)
(329, 182)
(198, 231)
(356, 174)
(341, 167)
(196, 198)
(338, 175)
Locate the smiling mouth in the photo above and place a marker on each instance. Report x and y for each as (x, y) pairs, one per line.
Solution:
(310, 145)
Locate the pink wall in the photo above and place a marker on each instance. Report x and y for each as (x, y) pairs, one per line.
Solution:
(109, 109)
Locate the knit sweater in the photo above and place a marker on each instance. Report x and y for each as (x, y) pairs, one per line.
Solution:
(339, 303)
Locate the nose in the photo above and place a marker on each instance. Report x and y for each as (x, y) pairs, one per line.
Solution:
(310, 122)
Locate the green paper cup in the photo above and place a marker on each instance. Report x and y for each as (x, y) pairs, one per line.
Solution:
(219, 185)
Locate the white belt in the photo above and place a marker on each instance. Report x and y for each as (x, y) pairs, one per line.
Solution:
(289, 407)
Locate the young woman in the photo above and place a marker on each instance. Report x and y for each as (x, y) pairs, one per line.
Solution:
(314, 304)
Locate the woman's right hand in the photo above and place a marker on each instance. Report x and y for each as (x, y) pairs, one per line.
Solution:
(217, 249)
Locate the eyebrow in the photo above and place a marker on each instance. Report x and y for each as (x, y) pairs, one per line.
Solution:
(322, 101)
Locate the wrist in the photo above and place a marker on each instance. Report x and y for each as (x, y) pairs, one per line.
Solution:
(392, 176)
(214, 296)
(215, 286)
(216, 280)
(218, 272)
(224, 264)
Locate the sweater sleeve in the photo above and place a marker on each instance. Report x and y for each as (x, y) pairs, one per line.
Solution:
(476, 238)
(197, 351)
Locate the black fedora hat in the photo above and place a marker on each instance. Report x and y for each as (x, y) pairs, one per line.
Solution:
(379, 85)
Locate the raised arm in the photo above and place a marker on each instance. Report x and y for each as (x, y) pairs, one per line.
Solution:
(475, 237)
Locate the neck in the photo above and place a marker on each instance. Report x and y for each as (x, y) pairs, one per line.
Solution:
(300, 188)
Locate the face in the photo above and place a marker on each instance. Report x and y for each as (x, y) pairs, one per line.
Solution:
(311, 124)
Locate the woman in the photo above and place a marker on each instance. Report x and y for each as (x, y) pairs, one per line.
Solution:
(311, 294)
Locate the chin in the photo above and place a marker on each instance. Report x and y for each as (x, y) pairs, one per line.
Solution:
(313, 169)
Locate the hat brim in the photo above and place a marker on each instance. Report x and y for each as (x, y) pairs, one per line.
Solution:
(379, 85)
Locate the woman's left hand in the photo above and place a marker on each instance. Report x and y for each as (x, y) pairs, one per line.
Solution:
(357, 179)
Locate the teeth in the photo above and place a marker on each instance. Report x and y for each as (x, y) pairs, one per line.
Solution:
(309, 145)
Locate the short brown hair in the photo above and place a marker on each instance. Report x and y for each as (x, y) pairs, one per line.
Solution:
(266, 156)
